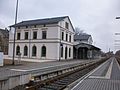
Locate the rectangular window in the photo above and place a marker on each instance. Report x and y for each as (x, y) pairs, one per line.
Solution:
(26, 26)
(70, 38)
(61, 51)
(44, 34)
(69, 52)
(18, 27)
(62, 35)
(34, 26)
(35, 35)
(26, 36)
(66, 37)
(66, 25)
(18, 36)
(44, 25)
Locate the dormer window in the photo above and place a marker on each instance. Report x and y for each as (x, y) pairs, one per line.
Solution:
(66, 25)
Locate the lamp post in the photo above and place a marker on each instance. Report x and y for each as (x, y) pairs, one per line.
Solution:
(13, 62)
(117, 17)
(117, 41)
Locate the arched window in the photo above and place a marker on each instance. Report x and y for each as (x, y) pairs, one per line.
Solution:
(25, 51)
(61, 51)
(43, 51)
(69, 52)
(34, 51)
(17, 50)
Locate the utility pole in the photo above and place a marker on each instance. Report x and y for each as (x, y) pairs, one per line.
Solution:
(13, 62)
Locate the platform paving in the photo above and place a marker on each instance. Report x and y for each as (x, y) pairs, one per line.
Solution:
(105, 77)
(33, 67)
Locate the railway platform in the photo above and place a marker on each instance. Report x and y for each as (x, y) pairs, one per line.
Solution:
(41, 67)
(12, 76)
(105, 77)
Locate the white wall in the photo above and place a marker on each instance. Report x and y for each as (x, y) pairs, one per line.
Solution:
(52, 32)
(52, 42)
(10, 49)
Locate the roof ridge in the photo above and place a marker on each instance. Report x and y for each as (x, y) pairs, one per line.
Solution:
(45, 18)
(41, 21)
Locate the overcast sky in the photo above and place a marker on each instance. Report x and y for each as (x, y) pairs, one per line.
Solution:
(95, 17)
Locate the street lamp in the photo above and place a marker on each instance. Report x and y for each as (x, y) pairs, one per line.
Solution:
(117, 17)
(117, 41)
(13, 62)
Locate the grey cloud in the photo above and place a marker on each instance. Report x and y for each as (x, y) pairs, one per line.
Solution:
(96, 17)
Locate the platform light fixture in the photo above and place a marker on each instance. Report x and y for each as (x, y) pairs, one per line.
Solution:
(117, 17)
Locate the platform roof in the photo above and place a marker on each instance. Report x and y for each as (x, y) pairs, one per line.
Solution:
(87, 45)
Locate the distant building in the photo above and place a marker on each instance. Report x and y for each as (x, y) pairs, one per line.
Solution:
(43, 39)
(110, 53)
(4, 40)
(83, 48)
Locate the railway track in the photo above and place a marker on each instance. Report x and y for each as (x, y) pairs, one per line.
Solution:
(60, 82)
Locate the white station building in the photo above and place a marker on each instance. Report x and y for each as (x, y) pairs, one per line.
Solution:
(43, 39)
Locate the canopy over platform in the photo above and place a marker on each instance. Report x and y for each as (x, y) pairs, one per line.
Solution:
(86, 51)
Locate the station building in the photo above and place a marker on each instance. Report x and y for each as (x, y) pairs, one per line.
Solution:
(83, 48)
(43, 39)
(51, 39)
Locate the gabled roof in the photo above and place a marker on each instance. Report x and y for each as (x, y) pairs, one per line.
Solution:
(41, 21)
(81, 36)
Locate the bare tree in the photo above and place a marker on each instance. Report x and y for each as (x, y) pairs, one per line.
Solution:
(78, 30)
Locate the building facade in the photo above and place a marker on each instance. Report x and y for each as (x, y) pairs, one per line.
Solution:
(43, 39)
